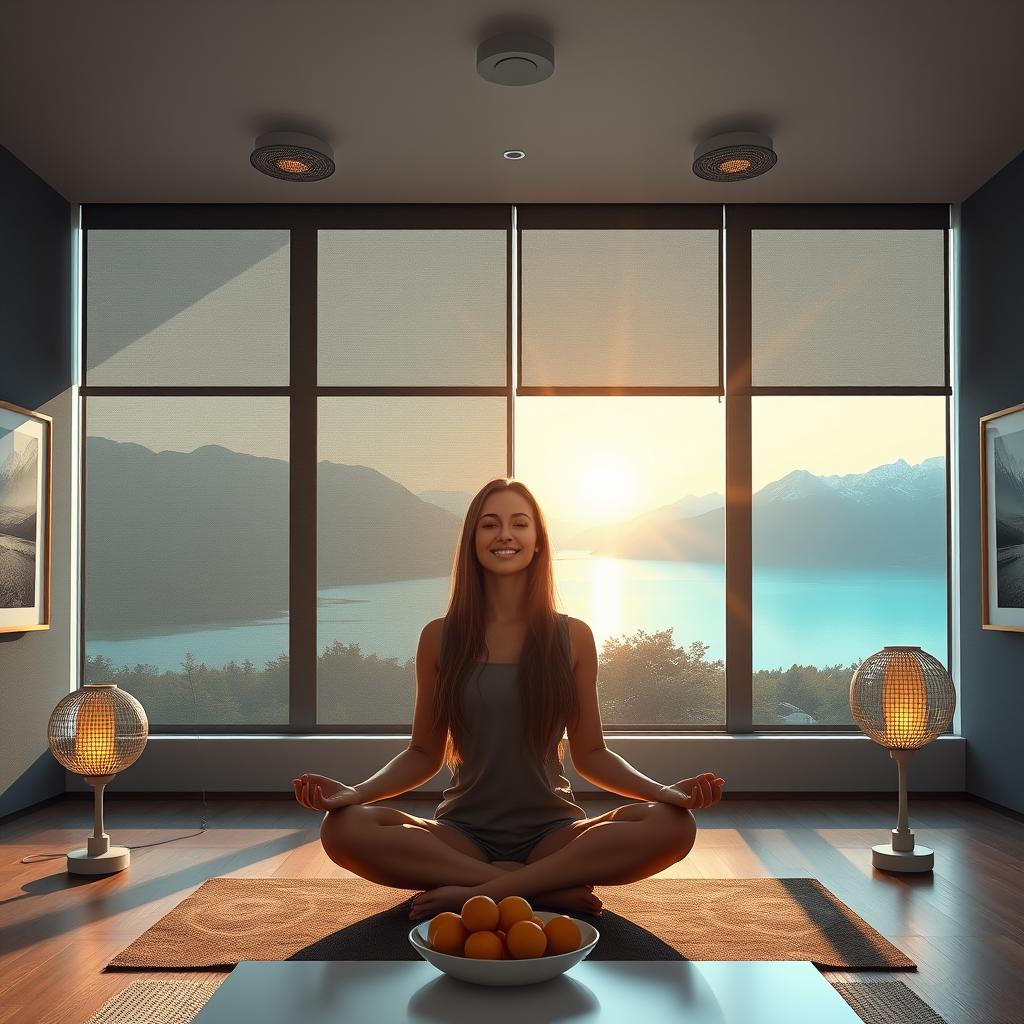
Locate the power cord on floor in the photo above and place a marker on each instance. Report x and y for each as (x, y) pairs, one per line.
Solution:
(34, 857)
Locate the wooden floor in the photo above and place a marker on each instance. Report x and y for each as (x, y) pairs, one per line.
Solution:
(963, 925)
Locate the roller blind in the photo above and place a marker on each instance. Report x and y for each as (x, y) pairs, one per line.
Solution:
(412, 308)
(620, 307)
(848, 308)
(187, 308)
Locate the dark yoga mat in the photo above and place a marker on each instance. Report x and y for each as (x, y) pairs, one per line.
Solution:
(385, 936)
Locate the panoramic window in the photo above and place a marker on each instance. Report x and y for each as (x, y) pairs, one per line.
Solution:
(261, 552)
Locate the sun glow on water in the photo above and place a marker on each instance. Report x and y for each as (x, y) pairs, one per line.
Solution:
(606, 596)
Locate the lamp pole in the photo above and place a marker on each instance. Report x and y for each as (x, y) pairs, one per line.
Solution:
(901, 854)
(98, 857)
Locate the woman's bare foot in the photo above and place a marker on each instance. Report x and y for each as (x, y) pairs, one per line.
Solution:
(579, 898)
(435, 901)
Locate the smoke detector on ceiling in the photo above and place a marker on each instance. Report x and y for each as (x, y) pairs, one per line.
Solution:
(293, 156)
(515, 58)
(734, 156)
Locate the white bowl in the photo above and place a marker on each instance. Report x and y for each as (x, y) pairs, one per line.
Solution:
(506, 972)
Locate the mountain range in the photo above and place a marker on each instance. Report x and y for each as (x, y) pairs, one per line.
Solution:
(209, 540)
(18, 483)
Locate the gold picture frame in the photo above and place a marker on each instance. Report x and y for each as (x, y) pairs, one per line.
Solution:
(26, 489)
(1002, 513)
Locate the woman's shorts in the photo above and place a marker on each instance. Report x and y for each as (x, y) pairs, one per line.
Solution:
(517, 849)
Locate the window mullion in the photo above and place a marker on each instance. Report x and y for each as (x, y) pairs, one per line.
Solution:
(738, 544)
(302, 505)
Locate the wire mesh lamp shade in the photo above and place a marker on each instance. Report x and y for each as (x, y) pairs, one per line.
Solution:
(97, 731)
(902, 698)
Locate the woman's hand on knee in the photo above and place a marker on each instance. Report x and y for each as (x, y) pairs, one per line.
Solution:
(319, 793)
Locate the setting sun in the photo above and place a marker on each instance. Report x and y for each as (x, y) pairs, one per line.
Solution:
(606, 482)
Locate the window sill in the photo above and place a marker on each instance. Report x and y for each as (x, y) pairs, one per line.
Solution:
(761, 762)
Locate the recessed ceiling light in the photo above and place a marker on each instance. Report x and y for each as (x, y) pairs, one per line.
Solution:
(292, 156)
(514, 154)
(734, 156)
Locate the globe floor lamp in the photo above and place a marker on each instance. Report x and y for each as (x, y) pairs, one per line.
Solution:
(902, 698)
(97, 731)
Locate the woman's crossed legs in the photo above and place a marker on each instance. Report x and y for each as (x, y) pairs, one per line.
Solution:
(401, 850)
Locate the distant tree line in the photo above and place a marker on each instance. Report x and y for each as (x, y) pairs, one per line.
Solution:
(644, 680)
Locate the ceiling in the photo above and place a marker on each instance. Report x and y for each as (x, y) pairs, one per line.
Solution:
(867, 100)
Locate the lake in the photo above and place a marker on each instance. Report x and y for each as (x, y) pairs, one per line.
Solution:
(802, 616)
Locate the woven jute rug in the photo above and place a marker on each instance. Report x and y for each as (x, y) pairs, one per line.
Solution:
(178, 1002)
(887, 1002)
(227, 920)
(157, 1002)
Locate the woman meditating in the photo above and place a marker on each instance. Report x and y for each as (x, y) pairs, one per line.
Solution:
(499, 681)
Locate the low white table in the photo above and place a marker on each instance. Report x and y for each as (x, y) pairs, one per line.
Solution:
(592, 992)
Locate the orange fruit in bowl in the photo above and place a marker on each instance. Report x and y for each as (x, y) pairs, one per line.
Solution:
(484, 945)
(447, 934)
(525, 940)
(513, 909)
(539, 921)
(480, 914)
(563, 935)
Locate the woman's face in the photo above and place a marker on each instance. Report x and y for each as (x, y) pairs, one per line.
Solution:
(506, 522)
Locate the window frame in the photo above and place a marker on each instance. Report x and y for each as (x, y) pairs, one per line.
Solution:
(734, 224)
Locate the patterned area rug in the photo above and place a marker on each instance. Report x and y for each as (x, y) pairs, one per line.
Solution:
(227, 920)
(178, 1002)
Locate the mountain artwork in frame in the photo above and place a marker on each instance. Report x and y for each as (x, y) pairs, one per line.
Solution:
(26, 455)
(1002, 519)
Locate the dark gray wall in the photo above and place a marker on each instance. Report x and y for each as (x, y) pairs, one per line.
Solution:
(991, 378)
(35, 372)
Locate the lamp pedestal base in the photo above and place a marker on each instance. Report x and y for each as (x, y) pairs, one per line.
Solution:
(920, 858)
(81, 862)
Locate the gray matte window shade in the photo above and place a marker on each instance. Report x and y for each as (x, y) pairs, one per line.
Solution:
(181, 308)
(628, 308)
(847, 308)
(412, 308)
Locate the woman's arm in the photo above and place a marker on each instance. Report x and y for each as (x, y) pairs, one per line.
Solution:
(409, 769)
(597, 764)
(418, 763)
(614, 773)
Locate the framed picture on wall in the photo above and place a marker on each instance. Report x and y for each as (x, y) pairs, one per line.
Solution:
(1002, 520)
(26, 454)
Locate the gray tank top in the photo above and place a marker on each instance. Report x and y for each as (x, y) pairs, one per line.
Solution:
(502, 791)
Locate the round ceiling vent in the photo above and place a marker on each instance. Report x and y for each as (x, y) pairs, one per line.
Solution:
(734, 156)
(293, 156)
(515, 59)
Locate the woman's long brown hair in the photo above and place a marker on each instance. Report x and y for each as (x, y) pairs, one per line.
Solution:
(545, 677)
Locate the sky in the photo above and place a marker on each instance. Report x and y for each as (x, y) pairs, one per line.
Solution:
(587, 459)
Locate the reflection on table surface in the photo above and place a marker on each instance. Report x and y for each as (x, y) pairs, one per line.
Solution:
(592, 992)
